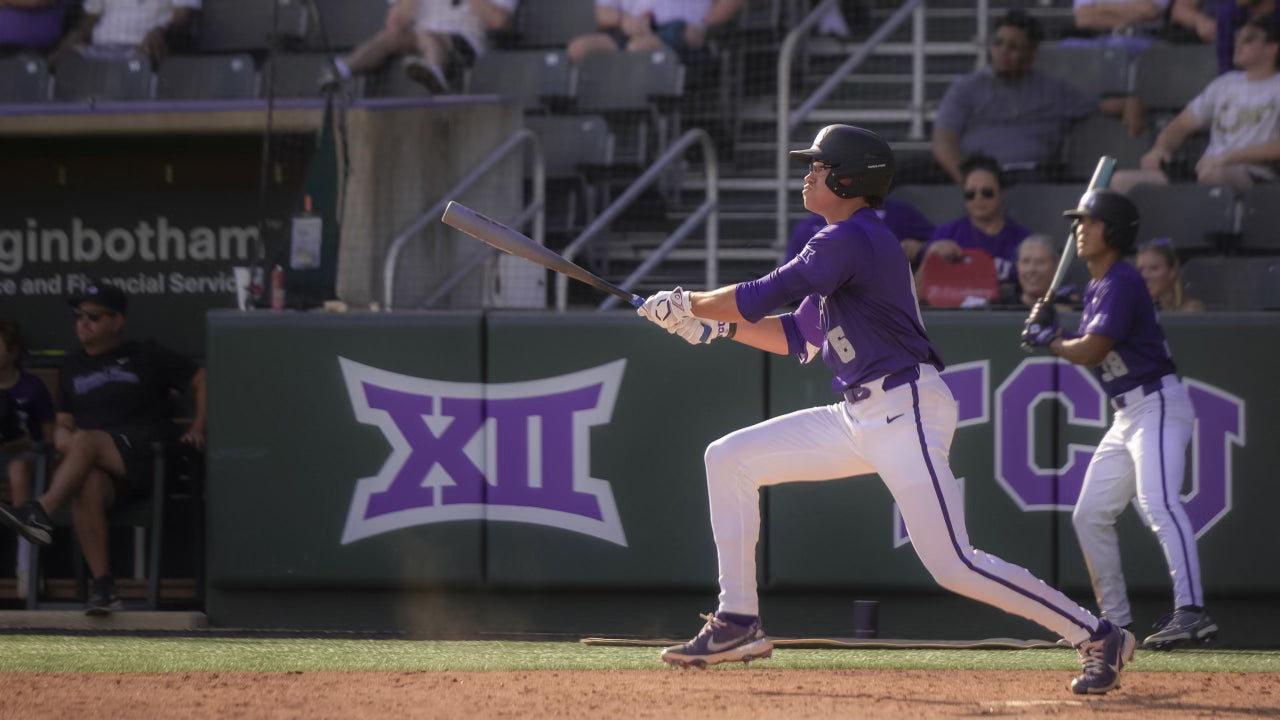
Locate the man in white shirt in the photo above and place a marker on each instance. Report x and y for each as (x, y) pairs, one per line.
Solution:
(435, 34)
(643, 25)
(1241, 109)
(119, 28)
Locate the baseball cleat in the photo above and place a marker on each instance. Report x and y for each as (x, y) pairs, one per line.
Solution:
(721, 641)
(1103, 656)
(1184, 627)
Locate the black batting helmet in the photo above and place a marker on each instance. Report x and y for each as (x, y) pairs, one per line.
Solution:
(854, 154)
(1115, 210)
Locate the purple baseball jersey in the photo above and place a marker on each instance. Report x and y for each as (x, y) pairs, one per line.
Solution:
(1118, 306)
(859, 302)
(1002, 247)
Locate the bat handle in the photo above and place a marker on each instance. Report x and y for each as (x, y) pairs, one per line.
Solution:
(636, 301)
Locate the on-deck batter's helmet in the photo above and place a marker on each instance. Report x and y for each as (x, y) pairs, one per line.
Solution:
(1115, 210)
(854, 154)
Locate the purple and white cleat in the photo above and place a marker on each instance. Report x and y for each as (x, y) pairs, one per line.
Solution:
(721, 641)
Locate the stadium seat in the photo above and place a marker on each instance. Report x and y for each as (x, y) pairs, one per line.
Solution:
(1168, 76)
(24, 78)
(571, 146)
(80, 79)
(1039, 207)
(527, 75)
(553, 23)
(627, 87)
(1096, 71)
(342, 24)
(939, 203)
(250, 25)
(184, 77)
(291, 75)
(1234, 283)
(1194, 216)
(1260, 221)
(1094, 137)
(946, 284)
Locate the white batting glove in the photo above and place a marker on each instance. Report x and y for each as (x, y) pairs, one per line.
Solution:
(697, 331)
(666, 308)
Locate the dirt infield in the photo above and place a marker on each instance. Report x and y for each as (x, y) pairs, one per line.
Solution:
(755, 693)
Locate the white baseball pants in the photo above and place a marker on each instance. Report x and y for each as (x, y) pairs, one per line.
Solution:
(1143, 453)
(903, 434)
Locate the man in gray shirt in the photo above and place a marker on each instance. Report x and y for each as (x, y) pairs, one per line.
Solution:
(1014, 112)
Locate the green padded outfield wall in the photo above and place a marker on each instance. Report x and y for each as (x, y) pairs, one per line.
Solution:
(475, 452)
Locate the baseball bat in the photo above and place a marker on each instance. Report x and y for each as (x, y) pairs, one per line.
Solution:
(491, 231)
(1101, 179)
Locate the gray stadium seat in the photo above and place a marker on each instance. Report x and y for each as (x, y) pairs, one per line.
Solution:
(527, 75)
(1168, 76)
(1189, 214)
(1039, 207)
(940, 203)
(571, 145)
(1260, 222)
(1096, 136)
(185, 77)
(627, 87)
(1234, 283)
(553, 23)
(289, 75)
(1096, 71)
(24, 78)
(83, 80)
(343, 24)
(247, 25)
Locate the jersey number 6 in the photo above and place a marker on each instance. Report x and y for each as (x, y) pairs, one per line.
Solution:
(840, 343)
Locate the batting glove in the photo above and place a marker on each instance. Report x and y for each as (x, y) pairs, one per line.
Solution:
(697, 331)
(1041, 326)
(666, 308)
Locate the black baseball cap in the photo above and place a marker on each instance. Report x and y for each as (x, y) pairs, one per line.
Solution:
(108, 296)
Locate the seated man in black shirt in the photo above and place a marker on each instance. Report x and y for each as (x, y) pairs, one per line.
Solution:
(114, 402)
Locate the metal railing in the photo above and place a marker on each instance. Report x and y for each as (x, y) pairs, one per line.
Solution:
(708, 210)
(535, 210)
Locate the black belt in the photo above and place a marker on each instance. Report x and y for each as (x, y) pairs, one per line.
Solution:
(1118, 402)
(858, 393)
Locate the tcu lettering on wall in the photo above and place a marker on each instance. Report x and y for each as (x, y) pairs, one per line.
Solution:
(517, 452)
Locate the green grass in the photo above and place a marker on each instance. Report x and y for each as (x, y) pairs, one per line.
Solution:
(63, 653)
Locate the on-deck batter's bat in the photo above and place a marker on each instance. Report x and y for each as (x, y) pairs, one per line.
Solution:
(509, 241)
(1101, 179)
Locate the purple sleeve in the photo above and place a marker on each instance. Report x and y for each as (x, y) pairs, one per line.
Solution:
(802, 328)
(757, 298)
(1113, 315)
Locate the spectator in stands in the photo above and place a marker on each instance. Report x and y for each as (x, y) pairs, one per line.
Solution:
(26, 417)
(1038, 256)
(1013, 112)
(114, 403)
(1157, 261)
(438, 37)
(985, 225)
(122, 28)
(1217, 21)
(31, 25)
(1129, 24)
(643, 25)
(907, 223)
(1242, 112)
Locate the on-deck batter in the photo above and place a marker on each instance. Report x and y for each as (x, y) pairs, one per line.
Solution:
(896, 418)
(1144, 451)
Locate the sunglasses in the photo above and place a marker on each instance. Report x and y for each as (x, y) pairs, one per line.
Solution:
(91, 315)
(986, 192)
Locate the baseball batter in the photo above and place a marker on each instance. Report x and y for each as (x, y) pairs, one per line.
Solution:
(896, 417)
(1143, 452)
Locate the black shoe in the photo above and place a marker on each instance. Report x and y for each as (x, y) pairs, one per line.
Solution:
(426, 74)
(29, 520)
(102, 597)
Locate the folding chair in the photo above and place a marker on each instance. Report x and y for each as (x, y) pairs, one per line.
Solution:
(1194, 216)
(80, 79)
(183, 77)
(24, 78)
(530, 76)
(250, 25)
